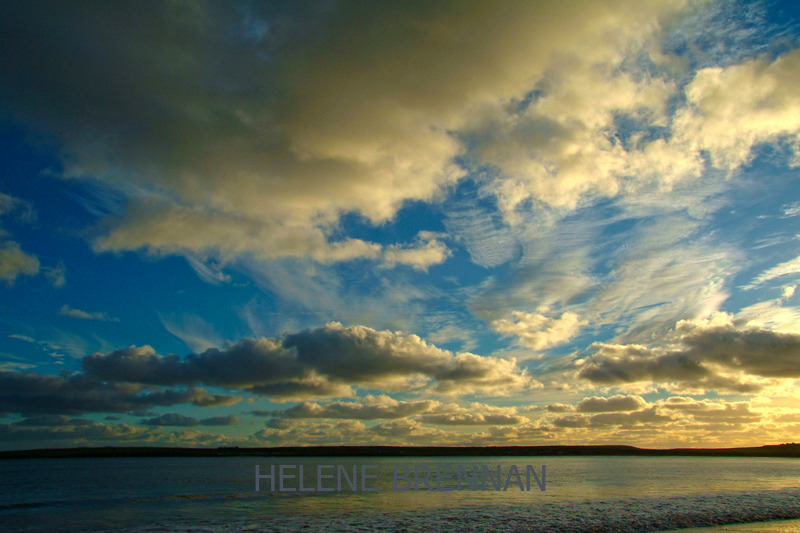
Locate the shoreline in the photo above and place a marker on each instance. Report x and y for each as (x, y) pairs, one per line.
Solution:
(778, 450)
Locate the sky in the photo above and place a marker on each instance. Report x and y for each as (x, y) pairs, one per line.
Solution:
(401, 223)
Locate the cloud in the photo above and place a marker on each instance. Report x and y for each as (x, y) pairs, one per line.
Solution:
(386, 408)
(597, 404)
(14, 262)
(31, 393)
(366, 410)
(783, 269)
(538, 331)
(179, 420)
(24, 436)
(421, 258)
(788, 292)
(646, 417)
(171, 419)
(85, 315)
(710, 354)
(250, 143)
(195, 332)
(711, 411)
(56, 275)
(24, 210)
(559, 408)
(52, 420)
(482, 232)
(319, 362)
(227, 420)
(473, 419)
(409, 431)
(558, 150)
(732, 109)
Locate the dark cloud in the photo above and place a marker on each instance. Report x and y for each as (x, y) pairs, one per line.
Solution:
(321, 362)
(645, 417)
(473, 419)
(279, 423)
(649, 416)
(53, 420)
(708, 355)
(76, 394)
(710, 411)
(408, 430)
(71, 434)
(315, 387)
(247, 362)
(179, 420)
(559, 408)
(228, 420)
(355, 411)
(171, 419)
(626, 364)
(253, 127)
(385, 408)
(597, 404)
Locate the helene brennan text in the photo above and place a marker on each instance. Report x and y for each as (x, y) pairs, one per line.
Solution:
(364, 478)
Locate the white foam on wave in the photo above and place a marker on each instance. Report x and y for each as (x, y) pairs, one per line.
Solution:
(624, 515)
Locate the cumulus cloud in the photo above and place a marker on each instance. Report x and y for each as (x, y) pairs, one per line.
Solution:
(409, 431)
(365, 410)
(31, 393)
(538, 331)
(732, 109)
(558, 151)
(177, 419)
(711, 411)
(559, 408)
(473, 419)
(250, 142)
(23, 435)
(227, 420)
(711, 354)
(319, 362)
(644, 417)
(421, 257)
(597, 404)
(386, 408)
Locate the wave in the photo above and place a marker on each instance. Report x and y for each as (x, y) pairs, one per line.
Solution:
(625, 515)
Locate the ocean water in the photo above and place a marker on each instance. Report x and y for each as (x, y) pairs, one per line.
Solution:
(592, 494)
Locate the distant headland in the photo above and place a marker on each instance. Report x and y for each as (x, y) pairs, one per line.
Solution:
(778, 450)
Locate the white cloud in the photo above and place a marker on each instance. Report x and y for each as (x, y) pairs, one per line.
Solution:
(732, 109)
(421, 257)
(539, 331)
(786, 268)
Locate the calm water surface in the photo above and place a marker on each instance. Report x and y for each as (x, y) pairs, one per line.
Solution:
(218, 494)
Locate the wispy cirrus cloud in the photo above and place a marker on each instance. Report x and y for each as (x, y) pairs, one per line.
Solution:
(66, 310)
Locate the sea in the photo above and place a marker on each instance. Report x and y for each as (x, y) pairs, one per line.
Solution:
(400, 494)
